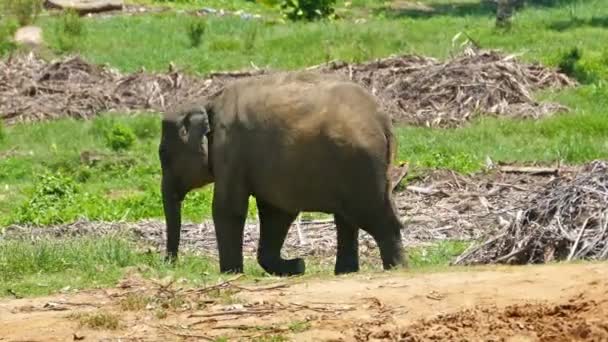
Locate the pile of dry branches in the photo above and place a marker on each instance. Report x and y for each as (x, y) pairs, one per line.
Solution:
(413, 89)
(567, 221)
(435, 206)
(33, 90)
(423, 91)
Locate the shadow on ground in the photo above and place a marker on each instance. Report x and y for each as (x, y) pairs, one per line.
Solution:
(574, 23)
(420, 9)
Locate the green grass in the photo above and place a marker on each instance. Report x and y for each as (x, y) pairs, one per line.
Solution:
(153, 41)
(29, 268)
(124, 184)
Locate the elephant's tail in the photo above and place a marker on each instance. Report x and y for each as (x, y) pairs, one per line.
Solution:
(394, 171)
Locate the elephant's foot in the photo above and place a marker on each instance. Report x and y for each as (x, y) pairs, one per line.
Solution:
(348, 266)
(232, 268)
(392, 254)
(171, 259)
(284, 267)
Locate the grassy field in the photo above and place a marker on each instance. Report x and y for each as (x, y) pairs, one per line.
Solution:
(44, 180)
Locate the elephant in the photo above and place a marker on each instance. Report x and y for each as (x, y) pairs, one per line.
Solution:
(296, 142)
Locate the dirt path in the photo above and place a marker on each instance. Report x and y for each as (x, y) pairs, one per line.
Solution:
(531, 303)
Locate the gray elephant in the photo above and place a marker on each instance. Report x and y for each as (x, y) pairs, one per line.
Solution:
(296, 142)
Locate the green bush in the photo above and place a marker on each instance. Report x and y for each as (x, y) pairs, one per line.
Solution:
(8, 26)
(69, 30)
(120, 137)
(2, 134)
(52, 193)
(586, 68)
(307, 9)
(25, 11)
(196, 30)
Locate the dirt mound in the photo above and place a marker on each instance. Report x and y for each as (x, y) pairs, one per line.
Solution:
(568, 220)
(577, 320)
(413, 89)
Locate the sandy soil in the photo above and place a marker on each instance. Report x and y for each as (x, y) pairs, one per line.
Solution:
(530, 303)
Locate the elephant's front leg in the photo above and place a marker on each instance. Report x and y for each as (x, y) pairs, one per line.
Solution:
(274, 225)
(229, 214)
(347, 257)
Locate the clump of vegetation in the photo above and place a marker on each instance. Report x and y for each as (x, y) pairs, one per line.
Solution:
(2, 133)
(52, 193)
(196, 30)
(8, 27)
(134, 302)
(98, 320)
(69, 31)
(307, 9)
(586, 69)
(25, 11)
(249, 37)
(120, 137)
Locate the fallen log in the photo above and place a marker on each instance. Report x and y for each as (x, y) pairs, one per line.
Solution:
(86, 6)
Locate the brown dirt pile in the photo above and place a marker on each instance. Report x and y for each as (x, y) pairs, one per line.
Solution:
(577, 320)
(414, 90)
(567, 220)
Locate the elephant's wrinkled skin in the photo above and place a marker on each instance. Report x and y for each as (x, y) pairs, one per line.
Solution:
(296, 142)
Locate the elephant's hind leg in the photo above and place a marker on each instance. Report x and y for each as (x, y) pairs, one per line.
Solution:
(274, 225)
(347, 257)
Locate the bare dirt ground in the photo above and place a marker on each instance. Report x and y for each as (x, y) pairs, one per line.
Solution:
(567, 302)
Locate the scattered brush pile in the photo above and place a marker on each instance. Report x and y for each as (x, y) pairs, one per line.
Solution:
(34, 90)
(413, 89)
(423, 91)
(567, 221)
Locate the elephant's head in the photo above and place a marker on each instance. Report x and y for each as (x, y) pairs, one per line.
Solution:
(184, 156)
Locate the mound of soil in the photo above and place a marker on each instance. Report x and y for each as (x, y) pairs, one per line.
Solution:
(572, 321)
(412, 89)
(567, 220)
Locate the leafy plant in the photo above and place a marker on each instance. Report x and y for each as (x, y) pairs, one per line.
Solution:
(2, 133)
(307, 9)
(120, 137)
(8, 27)
(69, 30)
(589, 68)
(25, 11)
(196, 30)
(52, 193)
(249, 37)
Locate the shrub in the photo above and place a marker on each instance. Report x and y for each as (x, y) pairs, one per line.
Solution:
(52, 193)
(25, 11)
(2, 134)
(8, 27)
(196, 30)
(307, 9)
(120, 137)
(568, 61)
(587, 68)
(249, 37)
(69, 30)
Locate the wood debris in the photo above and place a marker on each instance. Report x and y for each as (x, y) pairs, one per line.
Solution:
(568, 220)
(415, 90)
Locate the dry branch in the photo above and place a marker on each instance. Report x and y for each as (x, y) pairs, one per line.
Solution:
(412, 89)
(566, 221)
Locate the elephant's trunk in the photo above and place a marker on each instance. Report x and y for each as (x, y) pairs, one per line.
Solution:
(172, 205)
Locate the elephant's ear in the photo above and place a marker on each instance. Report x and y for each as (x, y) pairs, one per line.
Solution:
(196, 125)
